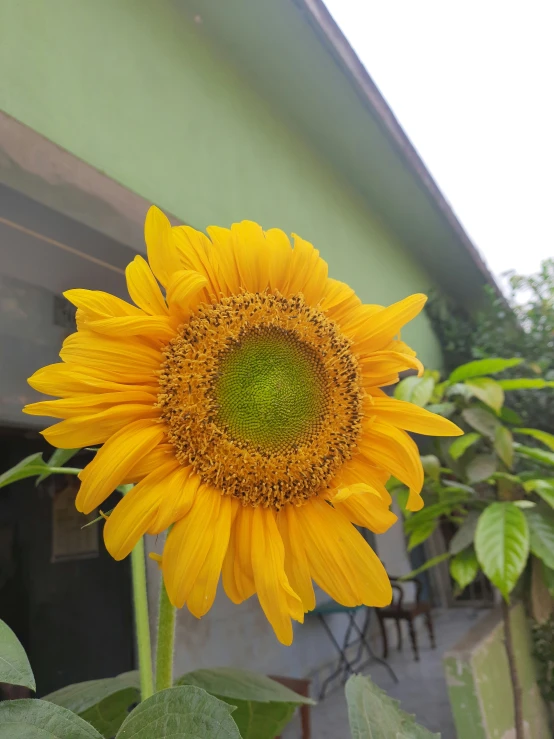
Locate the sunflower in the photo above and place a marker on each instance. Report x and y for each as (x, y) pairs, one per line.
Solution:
(241, 393)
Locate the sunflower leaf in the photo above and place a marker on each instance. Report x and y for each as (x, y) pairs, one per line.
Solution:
(14, 664)
(263, 706)
(184, 712)
(373, 715)
(27, 719)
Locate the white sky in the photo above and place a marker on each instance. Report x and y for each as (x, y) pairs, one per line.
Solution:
(472, 84)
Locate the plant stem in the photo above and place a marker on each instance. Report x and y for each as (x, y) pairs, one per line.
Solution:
(514, 677)
(166, 641)
(142, 620)
(142, 625)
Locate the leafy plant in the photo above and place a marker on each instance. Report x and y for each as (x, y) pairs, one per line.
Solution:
(522, 327)
(497, 493)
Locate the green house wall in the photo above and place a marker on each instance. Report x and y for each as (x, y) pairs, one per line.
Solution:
(136, 90)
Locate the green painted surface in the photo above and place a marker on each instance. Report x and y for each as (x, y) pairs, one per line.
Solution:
(463, 699)
(137, 91)
(484, 688)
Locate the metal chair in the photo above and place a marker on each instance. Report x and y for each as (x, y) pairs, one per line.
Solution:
(347, 666)
(400, 611)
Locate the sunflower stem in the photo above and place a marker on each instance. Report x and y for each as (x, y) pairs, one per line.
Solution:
(142, 620)
(166, 641)
(142, 623)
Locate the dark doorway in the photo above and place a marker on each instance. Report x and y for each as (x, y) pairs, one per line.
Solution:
(66, 599)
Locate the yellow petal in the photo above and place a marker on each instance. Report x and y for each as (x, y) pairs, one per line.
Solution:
(382, 326)
(415, 501)
(203, 591)
(69, 380)
(358, 488)
(228, 568)
(162, 253)
(196, 254)
(134, 513)
(251, 255)
(369, 511)
(224, 252)
(130, 360)
(339, 301)
(380, 364)
(143, 288)
(308, 272)
(188, 544)
(278, 600)
(341, 561)
(280, 255)
(357, 470)
(151, 327)
(97, 304)
(296, 561)
(114, 460)
(96, 428)
(159, 456)
(392, 449)
(244, 574)
(87, 404)
(185, 484)
(183, 291)
(411, 417)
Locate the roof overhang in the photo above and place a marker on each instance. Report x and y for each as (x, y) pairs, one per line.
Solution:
(297, 58)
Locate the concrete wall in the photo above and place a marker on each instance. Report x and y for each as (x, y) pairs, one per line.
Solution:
(135, 90)
(479, 684)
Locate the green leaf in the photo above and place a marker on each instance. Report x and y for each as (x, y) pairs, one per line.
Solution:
(431, 466)
(373, 715)
(427, 566)
(458, 447)
(458, 487)
(38, 719)
(108, 715)
(404, 389)
(537, 454)
(264, 706)
(481, 367)
(525, 383)
(28, 467)
(442, 409)
(509, 416)
(422, 392)
(103, 703)
(481, 420)
(541, 533)
(502, 544)
(422, 533)
(504, 445)
(58, 459)
(463, 538)
(464, 567)
(542, 488)
(184, 712)
(14, 665)
(481, 467)
(487, 390)
(524, 503)
(416, 390)
(546, 438)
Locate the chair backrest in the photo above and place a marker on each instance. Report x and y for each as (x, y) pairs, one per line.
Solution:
(400, 588)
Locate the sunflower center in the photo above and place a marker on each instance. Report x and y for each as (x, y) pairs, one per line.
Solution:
(271, 389)
(262, 396)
